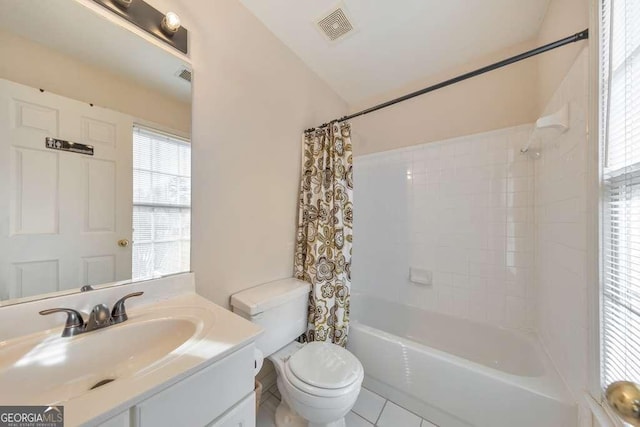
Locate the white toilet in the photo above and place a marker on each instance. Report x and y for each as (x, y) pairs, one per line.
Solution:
(319, 382)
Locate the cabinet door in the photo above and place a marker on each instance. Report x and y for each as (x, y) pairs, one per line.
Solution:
(120, 420)
(241, 415)
(202, 397)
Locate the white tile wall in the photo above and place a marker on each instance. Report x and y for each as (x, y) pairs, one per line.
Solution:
(561, 223)
(504, 235)
(461, 208)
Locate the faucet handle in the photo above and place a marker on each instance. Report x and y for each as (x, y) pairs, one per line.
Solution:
(74, 323)
(119, 314)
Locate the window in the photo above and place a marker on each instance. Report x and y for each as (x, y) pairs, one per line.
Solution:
(161, 204)
(620, 138)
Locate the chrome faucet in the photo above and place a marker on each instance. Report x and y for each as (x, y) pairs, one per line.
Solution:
(98, 318)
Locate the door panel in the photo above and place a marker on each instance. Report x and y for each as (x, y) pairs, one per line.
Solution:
(36, 277)
(35, 117)
(100, 196)
(34, 191)
(98, 269)
(97, 132)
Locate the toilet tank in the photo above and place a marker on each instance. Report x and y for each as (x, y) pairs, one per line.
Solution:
(280, 307)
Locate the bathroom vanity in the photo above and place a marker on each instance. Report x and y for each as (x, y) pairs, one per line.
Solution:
(178, 359)
(219, 395)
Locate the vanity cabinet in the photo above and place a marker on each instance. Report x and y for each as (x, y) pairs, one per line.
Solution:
(220, 395)
(121, 420)
(241, 415)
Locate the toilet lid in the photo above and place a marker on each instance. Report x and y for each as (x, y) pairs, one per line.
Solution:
(325, 365)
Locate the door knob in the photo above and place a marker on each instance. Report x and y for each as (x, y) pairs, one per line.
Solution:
(624, 398)
(123, 243)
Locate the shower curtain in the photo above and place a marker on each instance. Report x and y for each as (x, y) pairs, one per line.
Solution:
(324, 232)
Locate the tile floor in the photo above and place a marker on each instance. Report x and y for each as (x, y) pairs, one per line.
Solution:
(370, 410)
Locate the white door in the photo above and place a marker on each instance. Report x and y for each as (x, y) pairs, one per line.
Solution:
(62, 213)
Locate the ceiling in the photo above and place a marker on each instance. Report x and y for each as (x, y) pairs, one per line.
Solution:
(77, 31)
(397, 42)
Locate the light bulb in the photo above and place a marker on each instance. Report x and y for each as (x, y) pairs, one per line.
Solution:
(170, 23)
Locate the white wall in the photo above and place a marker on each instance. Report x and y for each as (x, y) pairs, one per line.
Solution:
(461, 208)
(23, 61)
(562, 230)
(563, 18)
(496, 100)
(252, 99)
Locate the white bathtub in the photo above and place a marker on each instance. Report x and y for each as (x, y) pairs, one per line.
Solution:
(456, 372)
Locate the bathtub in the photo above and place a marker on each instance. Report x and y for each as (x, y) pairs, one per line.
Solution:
(455, 372)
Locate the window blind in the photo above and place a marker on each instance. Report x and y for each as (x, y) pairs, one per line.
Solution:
(620, 138)
(161, 204)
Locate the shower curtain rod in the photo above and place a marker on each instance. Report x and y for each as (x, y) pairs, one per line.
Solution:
(582, 35)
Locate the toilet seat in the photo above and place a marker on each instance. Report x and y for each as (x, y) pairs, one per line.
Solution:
(315, 392)
(325, 365)
(323, 370)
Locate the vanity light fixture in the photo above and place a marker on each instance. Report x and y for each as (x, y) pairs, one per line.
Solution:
(170, 24)
(165, 27)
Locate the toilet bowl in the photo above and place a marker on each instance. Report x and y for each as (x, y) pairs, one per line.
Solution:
(319, 382)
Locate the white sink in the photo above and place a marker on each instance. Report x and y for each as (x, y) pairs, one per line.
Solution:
(172, 333)
(45, 368)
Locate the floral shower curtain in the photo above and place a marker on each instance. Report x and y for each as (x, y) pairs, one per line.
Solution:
(324, 233)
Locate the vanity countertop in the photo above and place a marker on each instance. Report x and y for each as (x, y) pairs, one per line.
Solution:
(194, 334)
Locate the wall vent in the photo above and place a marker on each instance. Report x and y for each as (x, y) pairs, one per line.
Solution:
(336, 24)
(184, 74)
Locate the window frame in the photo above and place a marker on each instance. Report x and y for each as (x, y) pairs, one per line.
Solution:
(625, 177)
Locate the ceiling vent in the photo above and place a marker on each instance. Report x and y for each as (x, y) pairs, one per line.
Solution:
(336, 24)
(184, 74)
